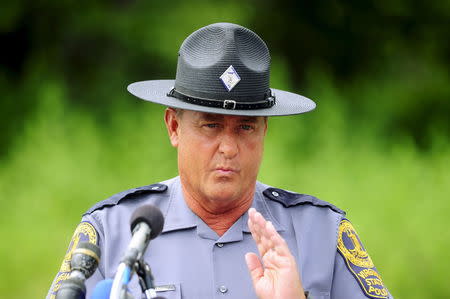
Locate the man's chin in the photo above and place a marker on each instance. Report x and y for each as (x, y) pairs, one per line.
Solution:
(223, 192)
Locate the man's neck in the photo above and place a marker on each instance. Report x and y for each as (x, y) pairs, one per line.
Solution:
(218, 219)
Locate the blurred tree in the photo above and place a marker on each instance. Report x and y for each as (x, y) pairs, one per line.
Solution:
(404, 41)
(96, 48)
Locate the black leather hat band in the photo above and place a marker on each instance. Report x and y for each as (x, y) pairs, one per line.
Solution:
(268, 102)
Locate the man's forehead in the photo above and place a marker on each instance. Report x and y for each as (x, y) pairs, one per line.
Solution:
(221, 117)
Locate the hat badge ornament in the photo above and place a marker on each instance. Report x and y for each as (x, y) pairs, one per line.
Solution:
(230, 78)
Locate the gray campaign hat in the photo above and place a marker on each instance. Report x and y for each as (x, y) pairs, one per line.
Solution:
(223, 68)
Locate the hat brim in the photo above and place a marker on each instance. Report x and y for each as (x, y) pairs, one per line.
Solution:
(286, 103)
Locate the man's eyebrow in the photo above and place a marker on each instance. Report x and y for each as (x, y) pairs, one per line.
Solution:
(249, 120)
(211, 117)
(220, 117)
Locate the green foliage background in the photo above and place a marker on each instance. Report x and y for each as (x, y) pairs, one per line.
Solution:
(377, 146)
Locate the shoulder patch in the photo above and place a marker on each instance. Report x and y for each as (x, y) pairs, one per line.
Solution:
(115, 199)
(85, 232)
(290, 199)
(359, 262)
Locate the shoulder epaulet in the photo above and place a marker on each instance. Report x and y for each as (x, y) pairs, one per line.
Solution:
(116, 198)
(290, 199)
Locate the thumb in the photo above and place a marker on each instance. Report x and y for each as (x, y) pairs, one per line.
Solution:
(254, 267)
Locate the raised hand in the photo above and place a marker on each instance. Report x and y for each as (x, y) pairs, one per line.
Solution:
(275, 276)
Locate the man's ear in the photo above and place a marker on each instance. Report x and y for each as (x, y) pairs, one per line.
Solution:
(172, 124)
(266, 124)
(265, 120)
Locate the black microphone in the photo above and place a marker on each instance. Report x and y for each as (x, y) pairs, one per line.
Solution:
(84, 262)
(146, 223)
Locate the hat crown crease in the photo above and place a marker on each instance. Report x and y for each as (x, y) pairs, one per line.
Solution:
(209, 51)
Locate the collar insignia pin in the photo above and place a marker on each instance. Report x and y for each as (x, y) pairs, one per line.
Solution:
(230, 78)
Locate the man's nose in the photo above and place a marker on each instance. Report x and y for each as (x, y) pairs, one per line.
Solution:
(228, 145)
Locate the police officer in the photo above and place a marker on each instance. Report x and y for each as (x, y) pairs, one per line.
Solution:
(226, 235)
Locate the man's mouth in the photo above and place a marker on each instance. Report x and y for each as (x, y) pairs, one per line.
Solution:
(226, 170)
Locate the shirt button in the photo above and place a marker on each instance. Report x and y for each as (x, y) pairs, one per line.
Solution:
(223, 289)
(219, 245)
(275, 193)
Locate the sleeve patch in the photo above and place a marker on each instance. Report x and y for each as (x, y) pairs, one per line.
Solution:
(359, 262)
(85, 232)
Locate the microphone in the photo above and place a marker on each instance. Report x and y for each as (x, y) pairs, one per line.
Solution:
(102, 290)
(146, 224)
(84, 262)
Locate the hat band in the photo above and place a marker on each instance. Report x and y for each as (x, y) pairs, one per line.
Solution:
(268, 102)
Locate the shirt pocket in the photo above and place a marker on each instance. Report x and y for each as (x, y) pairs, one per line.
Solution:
(168, 290)
(318, 295)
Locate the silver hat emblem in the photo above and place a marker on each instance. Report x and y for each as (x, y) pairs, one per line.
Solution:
(230, 78)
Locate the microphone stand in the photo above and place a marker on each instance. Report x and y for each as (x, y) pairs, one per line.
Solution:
(120, 283)
(146, 223)
(138, 244)
(146, 280)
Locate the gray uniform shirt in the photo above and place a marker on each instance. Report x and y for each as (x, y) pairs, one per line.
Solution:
(189, 260)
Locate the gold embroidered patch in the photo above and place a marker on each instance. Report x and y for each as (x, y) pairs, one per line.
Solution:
(359, 262)
(85, 232)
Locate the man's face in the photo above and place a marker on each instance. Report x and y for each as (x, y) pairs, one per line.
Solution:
(218, 155)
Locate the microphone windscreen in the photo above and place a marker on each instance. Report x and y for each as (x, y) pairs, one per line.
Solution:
(94, 249)
(72, 287)
(85, 258)
(150, 215)
(102, 290)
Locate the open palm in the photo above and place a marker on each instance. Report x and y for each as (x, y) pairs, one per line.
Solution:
(275, 275)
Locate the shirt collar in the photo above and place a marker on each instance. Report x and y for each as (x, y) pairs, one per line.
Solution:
(179, 216)
(260, 205)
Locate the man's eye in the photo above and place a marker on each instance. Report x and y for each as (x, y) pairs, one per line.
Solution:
(211, 125)
(246, 127)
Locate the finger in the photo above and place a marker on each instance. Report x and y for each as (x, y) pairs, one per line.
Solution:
(265, 235)
(258, 241)
(256, 225)
(259, 220)
(260, 228)
(277, 242)
(254, 267)
(252, 225)
(256, 220)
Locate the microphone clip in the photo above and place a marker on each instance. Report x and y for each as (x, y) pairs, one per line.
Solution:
(146, 279)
